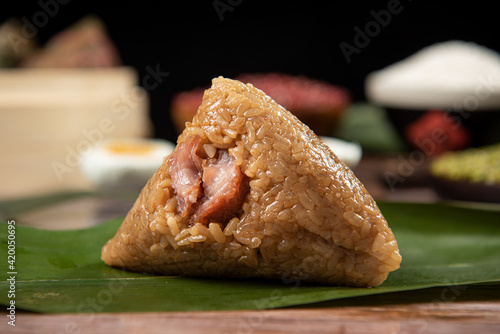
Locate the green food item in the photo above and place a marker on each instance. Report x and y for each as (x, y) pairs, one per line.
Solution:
(369, 126)
(61, 271)
(478, 165)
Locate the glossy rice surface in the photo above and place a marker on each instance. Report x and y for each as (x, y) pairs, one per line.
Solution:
(306, 216)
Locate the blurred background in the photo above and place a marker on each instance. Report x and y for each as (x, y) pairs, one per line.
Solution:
(139, 56)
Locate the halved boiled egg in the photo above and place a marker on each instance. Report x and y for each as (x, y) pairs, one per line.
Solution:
(124, 163)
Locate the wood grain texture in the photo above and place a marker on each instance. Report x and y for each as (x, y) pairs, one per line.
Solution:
(453, 309)
(462, 317)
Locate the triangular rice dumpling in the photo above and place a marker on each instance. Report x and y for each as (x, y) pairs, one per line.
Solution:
(250, 191)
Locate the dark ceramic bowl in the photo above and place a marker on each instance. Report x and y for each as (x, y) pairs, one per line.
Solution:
(466, 191)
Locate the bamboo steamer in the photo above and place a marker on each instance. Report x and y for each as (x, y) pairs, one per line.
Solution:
(49, 118)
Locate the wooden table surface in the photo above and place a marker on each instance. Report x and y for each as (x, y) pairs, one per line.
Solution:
(458, 317)
(463, 309)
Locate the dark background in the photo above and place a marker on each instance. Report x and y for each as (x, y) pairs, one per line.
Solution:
(195, 42)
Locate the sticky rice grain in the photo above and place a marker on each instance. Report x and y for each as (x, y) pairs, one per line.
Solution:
(306, 216)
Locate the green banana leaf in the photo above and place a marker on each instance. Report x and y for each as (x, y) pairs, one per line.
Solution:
(61, 271)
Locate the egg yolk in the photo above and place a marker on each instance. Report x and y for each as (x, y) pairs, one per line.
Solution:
(130, 148)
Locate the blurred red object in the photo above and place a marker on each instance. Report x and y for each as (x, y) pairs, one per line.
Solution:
(436, 132)
(318, 104)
